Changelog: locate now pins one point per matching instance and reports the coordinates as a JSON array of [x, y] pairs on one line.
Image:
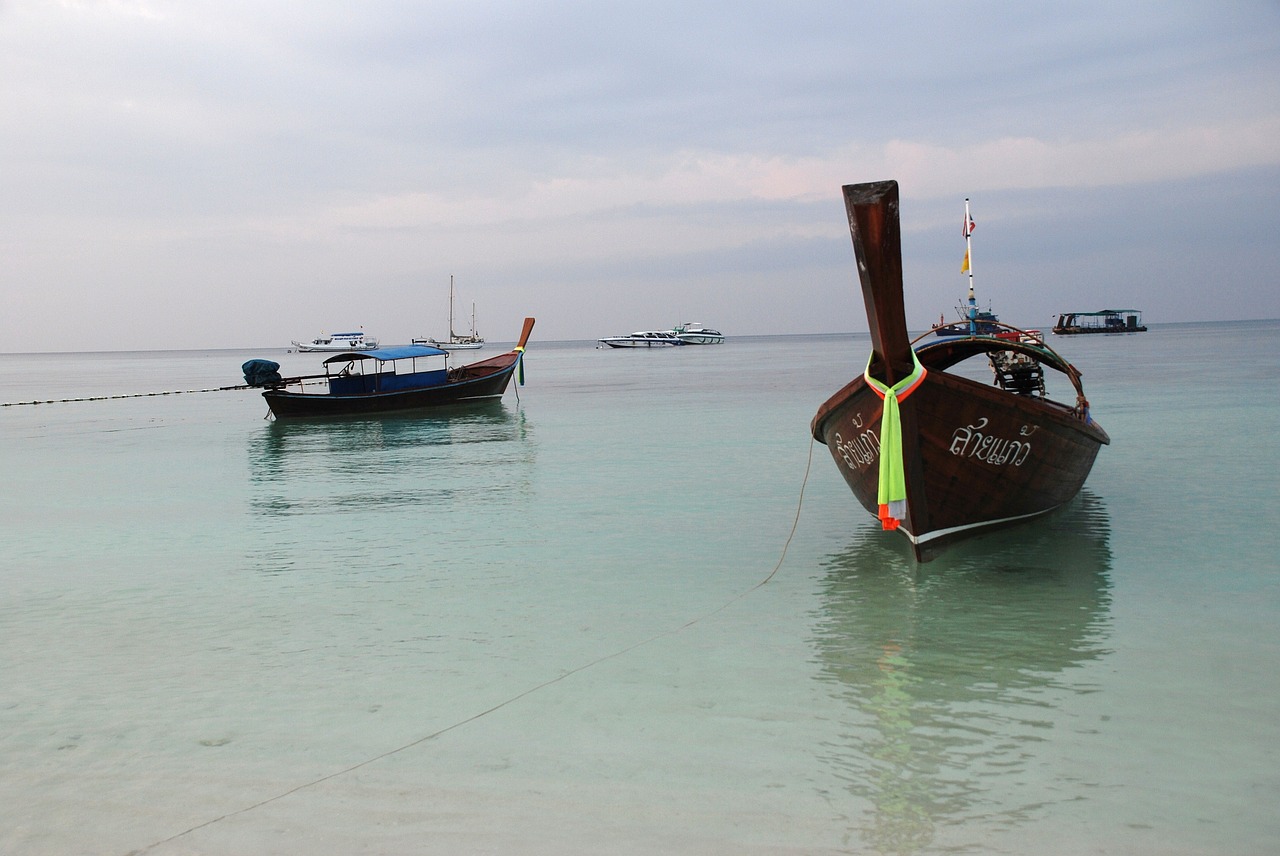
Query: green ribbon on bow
[[891, 493]]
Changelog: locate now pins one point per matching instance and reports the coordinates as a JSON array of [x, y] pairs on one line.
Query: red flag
[[969, 225]]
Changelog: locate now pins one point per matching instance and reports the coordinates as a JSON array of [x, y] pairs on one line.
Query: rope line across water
[[128, 395], [795, 523]]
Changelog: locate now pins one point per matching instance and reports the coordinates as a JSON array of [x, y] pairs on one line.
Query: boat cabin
[[386, 370]]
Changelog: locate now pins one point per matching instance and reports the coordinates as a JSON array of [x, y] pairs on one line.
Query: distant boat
[[984, 322], [1103, 321], [933, 454], [339, 342], [643, 339], [456, 342], [973, 321], [385, 380], [692, 333]]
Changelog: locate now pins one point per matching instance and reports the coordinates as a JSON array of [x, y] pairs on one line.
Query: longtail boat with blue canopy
[[386, 380], [934, 454]]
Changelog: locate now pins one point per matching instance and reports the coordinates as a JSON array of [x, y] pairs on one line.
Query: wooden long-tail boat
[[936, 455], [386, 380]]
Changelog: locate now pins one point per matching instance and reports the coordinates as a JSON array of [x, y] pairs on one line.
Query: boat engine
[[1018, 373]]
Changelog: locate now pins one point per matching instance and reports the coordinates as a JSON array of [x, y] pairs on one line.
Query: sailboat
[[456, 342]]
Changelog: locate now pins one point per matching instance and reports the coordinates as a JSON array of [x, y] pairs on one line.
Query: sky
[[229, 174]]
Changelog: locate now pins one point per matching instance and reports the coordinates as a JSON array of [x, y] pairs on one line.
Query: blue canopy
[[400, 352]]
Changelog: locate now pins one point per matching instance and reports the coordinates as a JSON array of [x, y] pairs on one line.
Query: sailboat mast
[[968, 266], [452, 336]]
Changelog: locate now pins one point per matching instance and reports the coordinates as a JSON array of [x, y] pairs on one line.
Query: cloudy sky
[[240, 173]]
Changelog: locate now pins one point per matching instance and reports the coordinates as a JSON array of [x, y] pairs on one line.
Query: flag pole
[[968, 266]]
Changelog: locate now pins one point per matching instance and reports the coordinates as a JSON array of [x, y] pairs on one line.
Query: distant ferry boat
[[1103, 321], [339, 342]]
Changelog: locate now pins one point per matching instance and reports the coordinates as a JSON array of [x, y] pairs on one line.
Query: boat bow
[[892, 372]]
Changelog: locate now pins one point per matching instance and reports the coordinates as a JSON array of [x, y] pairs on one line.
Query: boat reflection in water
[[959, 671], [313, 478]]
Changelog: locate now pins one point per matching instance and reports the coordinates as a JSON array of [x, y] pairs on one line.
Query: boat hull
[[977, 458], [308, 347], [626, 342], [486, 379]]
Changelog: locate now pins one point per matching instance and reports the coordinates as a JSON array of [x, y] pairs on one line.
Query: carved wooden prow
[[524, 333], [877, 246]]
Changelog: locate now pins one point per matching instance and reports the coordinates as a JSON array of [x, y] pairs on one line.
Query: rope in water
[[135, 395], [795, 523], [128, 395]]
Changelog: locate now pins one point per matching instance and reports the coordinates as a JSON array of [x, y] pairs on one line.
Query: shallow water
[[539, 626]]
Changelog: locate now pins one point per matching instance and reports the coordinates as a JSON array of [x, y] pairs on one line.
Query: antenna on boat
[[968, 268], [451, 333]]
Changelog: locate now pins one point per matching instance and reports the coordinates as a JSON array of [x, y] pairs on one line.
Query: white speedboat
[[339, 342], [643, 339], [692, 333]]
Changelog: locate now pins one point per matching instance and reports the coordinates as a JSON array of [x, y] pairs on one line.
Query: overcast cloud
[[240, 174]]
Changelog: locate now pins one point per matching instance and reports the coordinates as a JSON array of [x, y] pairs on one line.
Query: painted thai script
[[972, 442], [861, 450]]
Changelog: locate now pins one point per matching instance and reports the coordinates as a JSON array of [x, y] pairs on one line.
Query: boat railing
[[1007, 331], [1035, 340]]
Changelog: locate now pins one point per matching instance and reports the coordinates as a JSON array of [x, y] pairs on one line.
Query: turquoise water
[[539, 626]]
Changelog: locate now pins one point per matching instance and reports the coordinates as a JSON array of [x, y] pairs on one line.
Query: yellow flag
[[964, 267]]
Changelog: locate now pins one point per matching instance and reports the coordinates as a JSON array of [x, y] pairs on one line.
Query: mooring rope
[[795, 523], [139, 395], [128, 395]]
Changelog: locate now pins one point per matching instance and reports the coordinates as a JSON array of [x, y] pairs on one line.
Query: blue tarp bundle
[[261, 372]]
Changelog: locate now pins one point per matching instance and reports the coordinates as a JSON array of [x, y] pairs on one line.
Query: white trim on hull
[[954, 530]]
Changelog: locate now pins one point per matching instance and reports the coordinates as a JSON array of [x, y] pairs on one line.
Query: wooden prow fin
[[877, 246], [524, 334]]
